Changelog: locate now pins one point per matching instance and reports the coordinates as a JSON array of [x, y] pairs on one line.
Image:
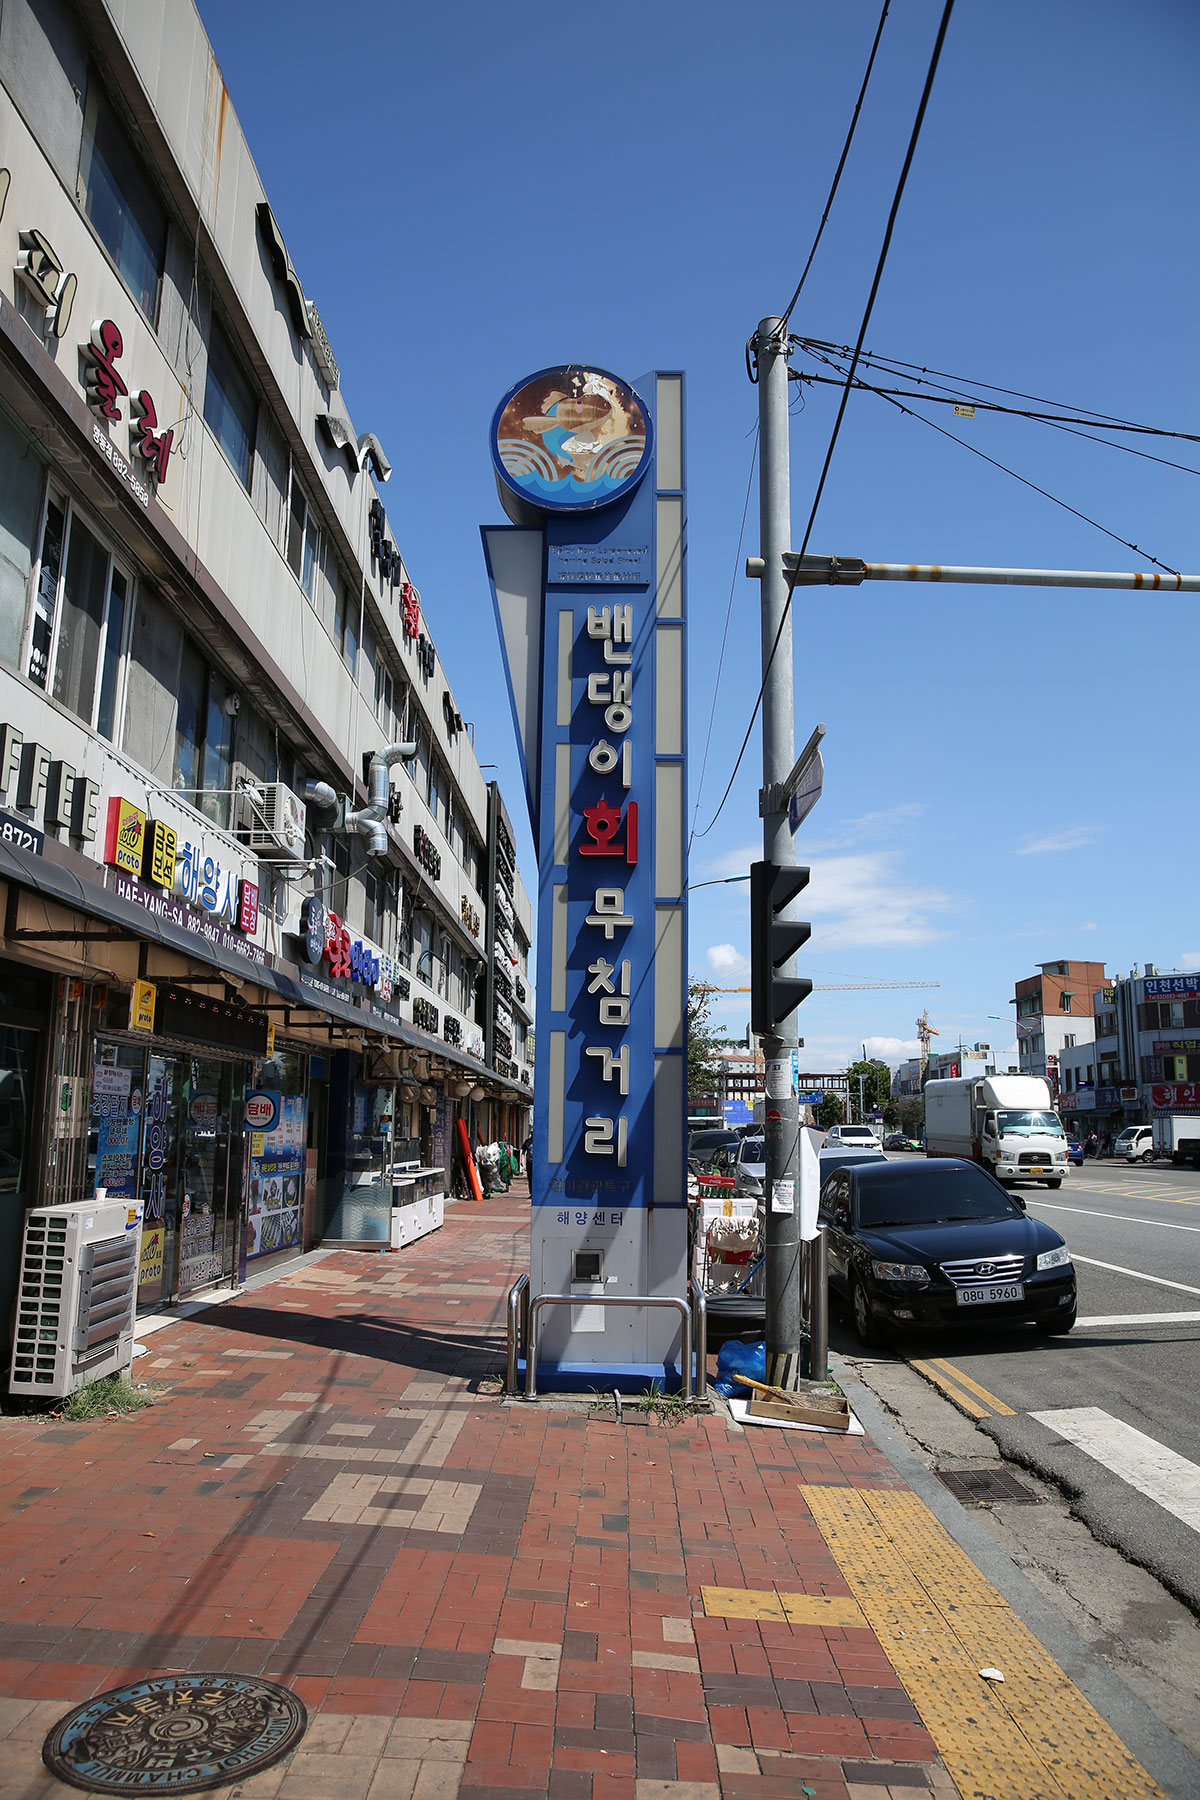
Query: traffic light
[[772, 941]]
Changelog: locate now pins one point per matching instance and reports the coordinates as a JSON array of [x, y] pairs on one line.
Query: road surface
[[1112, 1412]]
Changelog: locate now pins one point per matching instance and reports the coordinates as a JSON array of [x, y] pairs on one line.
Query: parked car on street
[[703, 1145], [915, 1245], [847, 1136], [1135, 1144], [1075, 1151]]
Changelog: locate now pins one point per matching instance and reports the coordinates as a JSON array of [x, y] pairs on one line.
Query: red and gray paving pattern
[[471, 1597]]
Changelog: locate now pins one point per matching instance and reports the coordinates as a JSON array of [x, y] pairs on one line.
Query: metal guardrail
[[518, 1328], [700, 1335], [521, 1321]]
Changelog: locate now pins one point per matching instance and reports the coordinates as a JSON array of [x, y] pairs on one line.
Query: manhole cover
[[175, 1734], [981, 1485]]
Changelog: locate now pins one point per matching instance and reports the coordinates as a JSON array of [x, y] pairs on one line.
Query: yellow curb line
[[1032, 1736], [959, 1387]]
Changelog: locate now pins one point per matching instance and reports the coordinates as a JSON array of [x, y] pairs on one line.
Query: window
[[21, 480], [346, 609], [439, 789], [229, 407], [1069, 1041], [304, 539], [370, 906], [120, 202], [80, 607], [203, 737]]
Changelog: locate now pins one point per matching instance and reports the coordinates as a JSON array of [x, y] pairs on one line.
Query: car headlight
[[886, 1271], [1054, 1259]]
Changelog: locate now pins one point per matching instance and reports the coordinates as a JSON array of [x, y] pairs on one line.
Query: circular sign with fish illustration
[[571, 439]]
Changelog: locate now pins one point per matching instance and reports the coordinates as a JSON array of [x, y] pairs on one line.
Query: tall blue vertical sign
[[589, 584]]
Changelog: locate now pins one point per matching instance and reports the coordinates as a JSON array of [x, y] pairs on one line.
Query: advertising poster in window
[[116, 1118], [276, 1192], [442, 1125]]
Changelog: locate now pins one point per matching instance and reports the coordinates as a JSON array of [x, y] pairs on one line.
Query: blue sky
[[471, 193]]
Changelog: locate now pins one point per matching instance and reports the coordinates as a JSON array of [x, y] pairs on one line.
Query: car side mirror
[[1018, 1200]]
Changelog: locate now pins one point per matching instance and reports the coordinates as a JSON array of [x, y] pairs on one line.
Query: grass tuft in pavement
[[107, 1398]]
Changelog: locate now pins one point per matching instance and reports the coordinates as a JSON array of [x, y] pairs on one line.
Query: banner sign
[[596, 682]]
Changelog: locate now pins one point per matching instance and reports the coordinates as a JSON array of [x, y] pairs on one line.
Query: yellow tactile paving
[[789, 1609], [1031, 1737]]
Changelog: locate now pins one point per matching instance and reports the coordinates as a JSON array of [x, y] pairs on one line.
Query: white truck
[[1177, 1135], [1005, 1122]]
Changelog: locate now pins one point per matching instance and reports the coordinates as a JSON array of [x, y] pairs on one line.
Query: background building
[[245, 969], [1145, 1058], [1054, 1012]]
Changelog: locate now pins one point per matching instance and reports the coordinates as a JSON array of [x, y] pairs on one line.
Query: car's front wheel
[[1055, 1181], [865, 1322], [1147, 1156], [1057, 1324]]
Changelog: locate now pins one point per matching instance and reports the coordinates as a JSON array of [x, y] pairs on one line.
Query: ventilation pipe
[[368, 821]]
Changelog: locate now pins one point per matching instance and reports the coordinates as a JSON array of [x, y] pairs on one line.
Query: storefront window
[[160, 1145], [211, 1175], [276, 1139]]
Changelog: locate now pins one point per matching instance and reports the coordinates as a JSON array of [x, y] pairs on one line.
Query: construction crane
[[925, 1031], [825, 987]]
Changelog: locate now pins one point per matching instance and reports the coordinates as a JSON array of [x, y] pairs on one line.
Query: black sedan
[[914, 1245]]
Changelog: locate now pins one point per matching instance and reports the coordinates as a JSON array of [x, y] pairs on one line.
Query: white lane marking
[[1118, 1218], [1138, 1275], [1168, 1479], [1163, 1318]]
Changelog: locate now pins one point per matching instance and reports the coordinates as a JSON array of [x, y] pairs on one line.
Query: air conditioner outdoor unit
[[381, 1065], [273, 818], [76, 1300]]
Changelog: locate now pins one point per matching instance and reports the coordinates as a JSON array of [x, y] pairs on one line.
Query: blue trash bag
[[735, 1360]]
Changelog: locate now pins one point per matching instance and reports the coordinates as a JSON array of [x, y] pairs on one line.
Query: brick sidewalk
[[469, 1596]]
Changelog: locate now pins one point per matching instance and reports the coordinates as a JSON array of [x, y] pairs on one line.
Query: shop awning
[[57, 882]]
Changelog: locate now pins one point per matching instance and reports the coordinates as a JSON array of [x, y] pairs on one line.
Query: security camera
[[233, 705]]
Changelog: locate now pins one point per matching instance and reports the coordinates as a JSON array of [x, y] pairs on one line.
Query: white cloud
[[1071, 837], [1190, 959], [728, 964], [1088, 925], [735, 861], [892, 1050], [861, 899], [868, 828]]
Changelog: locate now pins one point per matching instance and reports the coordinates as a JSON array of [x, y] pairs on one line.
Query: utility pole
[[781, 1197]]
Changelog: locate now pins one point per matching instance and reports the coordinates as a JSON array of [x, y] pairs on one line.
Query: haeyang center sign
[[589, 584]]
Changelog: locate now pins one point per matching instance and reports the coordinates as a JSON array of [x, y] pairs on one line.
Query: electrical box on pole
[[773, 942]]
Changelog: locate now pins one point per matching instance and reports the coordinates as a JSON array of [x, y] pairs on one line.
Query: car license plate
[[985, 1296], [1038, 1169]]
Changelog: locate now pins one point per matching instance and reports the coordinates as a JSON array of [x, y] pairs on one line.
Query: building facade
[[1054, 1013], [946, 1065], [1145, 1057], [249, 871]]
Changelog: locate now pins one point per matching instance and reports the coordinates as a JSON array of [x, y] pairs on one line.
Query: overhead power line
[[866, 320], [838, 171]]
